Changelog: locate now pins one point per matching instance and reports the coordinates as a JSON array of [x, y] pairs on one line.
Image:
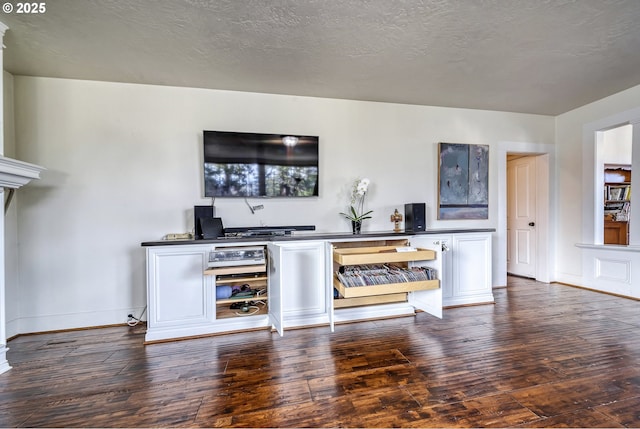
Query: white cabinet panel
[[471, 269], [611, 269], [301, 273], [178, 292]]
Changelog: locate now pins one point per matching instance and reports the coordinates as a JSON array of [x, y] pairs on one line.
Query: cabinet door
[[178, 293], [328, 279], [302, 282], [276, 315], [429, 301], [446, 275], [472, 268]]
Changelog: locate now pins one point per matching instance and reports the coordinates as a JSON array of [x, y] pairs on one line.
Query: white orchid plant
[[356, 209]]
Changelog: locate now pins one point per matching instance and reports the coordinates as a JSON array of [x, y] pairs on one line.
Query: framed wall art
[[463, 188]]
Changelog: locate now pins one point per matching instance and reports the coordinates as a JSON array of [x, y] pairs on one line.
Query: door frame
[[545, 222]]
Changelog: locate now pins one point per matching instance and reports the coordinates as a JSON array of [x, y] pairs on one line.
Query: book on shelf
[[380, 274], [617, 210], [617, 192]]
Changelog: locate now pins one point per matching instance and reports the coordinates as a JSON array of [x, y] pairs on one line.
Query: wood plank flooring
[[542, 356]]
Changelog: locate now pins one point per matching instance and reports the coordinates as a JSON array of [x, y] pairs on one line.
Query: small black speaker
[[415, 218], [211, 227], [200, 212]]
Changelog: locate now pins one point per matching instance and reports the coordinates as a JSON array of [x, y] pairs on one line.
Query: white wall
[[124, 166], [575, 202], [617, 145]]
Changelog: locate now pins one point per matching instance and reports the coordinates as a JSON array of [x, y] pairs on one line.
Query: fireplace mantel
[[14, 173]]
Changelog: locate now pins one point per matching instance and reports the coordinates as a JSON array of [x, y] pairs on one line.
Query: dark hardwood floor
[[542, 356]]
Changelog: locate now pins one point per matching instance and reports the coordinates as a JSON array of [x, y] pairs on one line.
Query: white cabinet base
[[306, 320], [225, 326], [469, 300], [379, 311]]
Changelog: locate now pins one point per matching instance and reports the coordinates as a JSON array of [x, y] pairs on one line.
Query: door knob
[[532, 224]]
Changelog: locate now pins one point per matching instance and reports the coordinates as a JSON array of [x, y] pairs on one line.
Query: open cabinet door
[[276, 316], [329, 281], [429, 301]]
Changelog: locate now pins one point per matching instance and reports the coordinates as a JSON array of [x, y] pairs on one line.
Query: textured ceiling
[[532, 56]]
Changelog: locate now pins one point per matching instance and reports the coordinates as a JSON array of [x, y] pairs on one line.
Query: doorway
[[615, 152], [527, 215]]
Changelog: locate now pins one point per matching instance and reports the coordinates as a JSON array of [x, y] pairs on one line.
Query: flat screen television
[[260, 165]]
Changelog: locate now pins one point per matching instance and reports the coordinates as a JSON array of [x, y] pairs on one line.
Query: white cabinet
[[466, 272], [297, 280]]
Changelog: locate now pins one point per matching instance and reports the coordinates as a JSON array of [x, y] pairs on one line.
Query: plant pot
[[356, 226]]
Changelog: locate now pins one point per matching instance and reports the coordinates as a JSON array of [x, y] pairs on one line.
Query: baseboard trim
[[473, 304], [597, 290], [70, 321], [84, 328]]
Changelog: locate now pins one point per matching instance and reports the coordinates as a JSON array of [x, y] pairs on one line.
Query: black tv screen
[[260, 165]]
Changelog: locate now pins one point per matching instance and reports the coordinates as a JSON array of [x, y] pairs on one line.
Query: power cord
[[253, 306], [133, 321]]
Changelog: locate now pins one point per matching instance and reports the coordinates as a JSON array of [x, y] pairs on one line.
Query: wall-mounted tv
[[260, 165]]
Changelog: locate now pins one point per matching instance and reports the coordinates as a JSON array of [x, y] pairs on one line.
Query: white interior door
[[521, 216]]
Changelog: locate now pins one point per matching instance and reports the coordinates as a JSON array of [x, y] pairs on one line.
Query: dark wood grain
[[542, 356]]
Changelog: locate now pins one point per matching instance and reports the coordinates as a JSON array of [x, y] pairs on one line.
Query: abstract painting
[[463, 191]]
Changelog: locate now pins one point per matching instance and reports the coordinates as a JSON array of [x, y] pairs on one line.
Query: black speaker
[[211, 227], [415, 218], [200, 212]]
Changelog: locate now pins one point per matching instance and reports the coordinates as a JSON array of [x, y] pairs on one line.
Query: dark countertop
[[305, 235]]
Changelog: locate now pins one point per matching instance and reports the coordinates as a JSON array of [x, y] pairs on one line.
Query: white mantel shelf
[[15, 174]]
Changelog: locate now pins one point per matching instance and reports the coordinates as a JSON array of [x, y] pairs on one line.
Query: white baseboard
[[569, 279], [11, 328], [58, 322], [484, 298]]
